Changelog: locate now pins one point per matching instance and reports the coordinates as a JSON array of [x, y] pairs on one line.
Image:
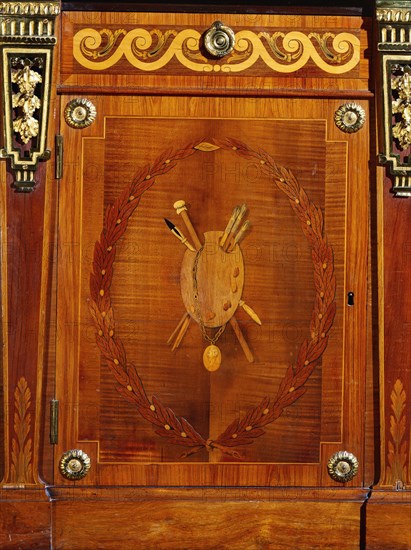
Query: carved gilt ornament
[[394, 46], [401, 105], [26, 46], [26, 125]]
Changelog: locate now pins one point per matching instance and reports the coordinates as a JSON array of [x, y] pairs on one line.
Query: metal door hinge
[[54, 421], [59, 143]]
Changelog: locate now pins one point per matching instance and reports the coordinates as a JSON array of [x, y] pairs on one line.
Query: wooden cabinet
[[295, 268], [209, 395]]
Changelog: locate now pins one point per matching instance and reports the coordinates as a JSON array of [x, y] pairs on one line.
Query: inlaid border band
[[151, 50]]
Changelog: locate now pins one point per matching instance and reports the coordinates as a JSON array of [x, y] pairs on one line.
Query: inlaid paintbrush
[[177, 233]]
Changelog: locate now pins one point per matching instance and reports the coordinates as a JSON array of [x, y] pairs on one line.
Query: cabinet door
[[182, 362]]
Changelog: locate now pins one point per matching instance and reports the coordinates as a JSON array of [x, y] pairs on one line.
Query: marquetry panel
[[161, 51], [120, 297]]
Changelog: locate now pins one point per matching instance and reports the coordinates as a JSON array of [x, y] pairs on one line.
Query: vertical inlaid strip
[[27, 43], [21, 470], [398, 442]]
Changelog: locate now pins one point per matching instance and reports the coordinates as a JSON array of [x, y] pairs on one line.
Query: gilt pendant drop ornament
[[212, 358]]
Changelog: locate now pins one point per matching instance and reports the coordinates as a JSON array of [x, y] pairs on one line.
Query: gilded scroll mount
[[26, 45], [394, 45]]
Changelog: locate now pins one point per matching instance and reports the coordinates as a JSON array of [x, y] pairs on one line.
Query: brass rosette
[[74, 464], [80, 113], [350, 118], [343, 466], [219, 40]]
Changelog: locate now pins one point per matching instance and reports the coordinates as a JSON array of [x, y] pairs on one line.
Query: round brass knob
[[350, 117], [343, 466], [219, 40], [80, 113], [74, 464]]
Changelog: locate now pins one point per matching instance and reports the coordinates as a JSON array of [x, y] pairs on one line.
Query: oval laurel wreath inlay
[[243, 430]]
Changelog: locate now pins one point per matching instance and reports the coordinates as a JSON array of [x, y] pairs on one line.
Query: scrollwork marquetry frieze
[[151, 50], [26, 44], [394, 47]]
